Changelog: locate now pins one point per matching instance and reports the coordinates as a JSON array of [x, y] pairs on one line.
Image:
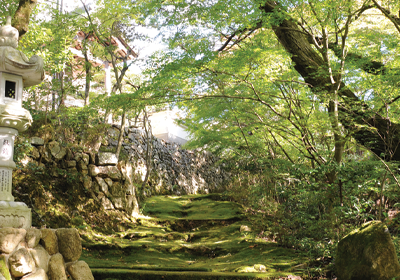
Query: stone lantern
[[16, 72]]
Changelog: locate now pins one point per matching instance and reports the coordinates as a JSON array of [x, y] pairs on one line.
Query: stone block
[[105, 171], [69, 243], [109, 182], [15, 215], [87, 182], [49, 241], [80, 271], [105, 202], [106, 158], [37, 141], [82, 166], [10, 238], [117, 189], [103, 186], [56, 150], [119, 202], [70, 163]]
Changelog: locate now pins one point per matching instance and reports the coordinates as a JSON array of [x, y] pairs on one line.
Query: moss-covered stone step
[[126, 274], [212, 240]]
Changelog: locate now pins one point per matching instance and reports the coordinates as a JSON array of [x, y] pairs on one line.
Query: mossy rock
[[367, 253]]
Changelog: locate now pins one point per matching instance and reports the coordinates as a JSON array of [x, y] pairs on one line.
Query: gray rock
[[367, 253], [33, 236], [102, 185], [21, 263], [80, 271], [37, 141], [109, 182], [57, 268], [70, 163], [56, 150], [82, 166], [45, 155], [10, 238], [87, 182], [49, 241], [106, 158], [105, 171], [119, 202], [105, 202], [41, 257], [118, 189], [69, 243]]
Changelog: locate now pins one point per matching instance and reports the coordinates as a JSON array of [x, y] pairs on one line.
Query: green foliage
[[296, 205], [7, 8]]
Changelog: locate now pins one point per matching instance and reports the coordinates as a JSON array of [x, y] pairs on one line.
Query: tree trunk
[[22, 15], [369, 128], [88, 66]]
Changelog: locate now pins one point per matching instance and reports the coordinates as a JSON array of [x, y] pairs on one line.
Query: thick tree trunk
[[370, 129], [22, 15]]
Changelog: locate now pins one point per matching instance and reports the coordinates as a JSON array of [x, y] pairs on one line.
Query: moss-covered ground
[[201, 235]]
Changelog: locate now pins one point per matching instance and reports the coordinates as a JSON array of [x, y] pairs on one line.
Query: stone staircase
[[189, 237]]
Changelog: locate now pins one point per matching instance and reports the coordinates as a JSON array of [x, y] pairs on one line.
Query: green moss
[[208, 238], [3, 268], [113, 274]]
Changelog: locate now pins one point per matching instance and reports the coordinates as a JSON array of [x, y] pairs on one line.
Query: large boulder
[[367, 253], [57, 268], [69, 243], [80, 271]]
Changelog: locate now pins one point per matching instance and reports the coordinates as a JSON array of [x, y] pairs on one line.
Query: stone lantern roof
[[14, 61]]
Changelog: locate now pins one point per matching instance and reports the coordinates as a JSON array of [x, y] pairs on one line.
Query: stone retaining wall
[[114, 184], [41, 254]]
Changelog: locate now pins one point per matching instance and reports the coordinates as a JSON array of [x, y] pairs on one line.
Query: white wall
[[164, 127]]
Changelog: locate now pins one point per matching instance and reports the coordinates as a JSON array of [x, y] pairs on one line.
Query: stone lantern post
[[16, 72]]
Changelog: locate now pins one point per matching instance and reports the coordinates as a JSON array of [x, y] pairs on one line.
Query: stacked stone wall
[[114, 183]]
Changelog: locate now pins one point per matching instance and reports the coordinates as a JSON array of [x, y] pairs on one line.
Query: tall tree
[[323, 41]]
